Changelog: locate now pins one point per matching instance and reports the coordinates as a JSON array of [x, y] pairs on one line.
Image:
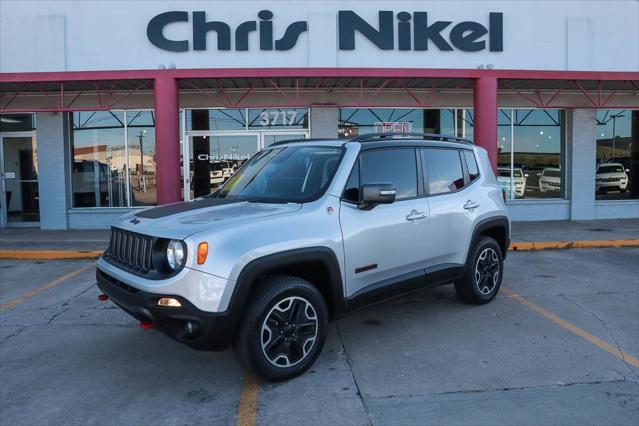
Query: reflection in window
[[99, 160], [443, 170], [216, 119], [530, 145], [617, 173], [17, 122], [448, 121], [214, 159], [278, 118], [142, 170], [360, 121], [396, 166]]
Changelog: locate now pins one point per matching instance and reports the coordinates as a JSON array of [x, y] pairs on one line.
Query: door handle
[[415, 215], [471, 205]]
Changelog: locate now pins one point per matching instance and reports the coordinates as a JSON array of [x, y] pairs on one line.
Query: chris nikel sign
[[467, 36]]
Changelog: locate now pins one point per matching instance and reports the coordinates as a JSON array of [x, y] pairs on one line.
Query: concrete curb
[[565, 245], [49, 254], [515, 246]]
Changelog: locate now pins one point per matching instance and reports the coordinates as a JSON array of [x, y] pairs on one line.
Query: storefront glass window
[[99, 159], [17, 122], [617, 173], [142, 170], [360, 121], [278, 118], [530, 144], [449, 121], [216, 119]]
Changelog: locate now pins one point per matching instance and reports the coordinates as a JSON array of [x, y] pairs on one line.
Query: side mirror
[[377, 193]]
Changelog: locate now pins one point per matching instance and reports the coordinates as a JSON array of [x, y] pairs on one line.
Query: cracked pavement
[[66, 358]]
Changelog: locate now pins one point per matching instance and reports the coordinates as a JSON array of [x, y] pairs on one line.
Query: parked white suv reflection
[[611, 176], [550, 179], [519, 180]]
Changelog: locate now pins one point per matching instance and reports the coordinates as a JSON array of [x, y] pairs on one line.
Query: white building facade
[[108, 106]]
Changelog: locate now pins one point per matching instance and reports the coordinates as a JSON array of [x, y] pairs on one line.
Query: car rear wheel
[[484, 272], [283, 330]]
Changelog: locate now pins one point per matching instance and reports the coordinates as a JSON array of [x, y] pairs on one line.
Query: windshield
[[284, 175], [610, 169], [551, 173]]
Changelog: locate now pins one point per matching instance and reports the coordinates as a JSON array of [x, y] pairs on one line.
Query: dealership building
[[110, 106]]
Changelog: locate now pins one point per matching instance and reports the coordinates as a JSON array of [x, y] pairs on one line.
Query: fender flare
[[491, 222], [249, 274]]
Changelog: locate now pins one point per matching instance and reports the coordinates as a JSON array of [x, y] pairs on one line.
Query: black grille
[[131, 250]]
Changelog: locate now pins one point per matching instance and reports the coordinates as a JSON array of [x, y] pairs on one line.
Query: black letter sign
[[349, 22], [154, 31]]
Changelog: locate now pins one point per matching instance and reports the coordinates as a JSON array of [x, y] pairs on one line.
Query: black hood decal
[[171, 209]]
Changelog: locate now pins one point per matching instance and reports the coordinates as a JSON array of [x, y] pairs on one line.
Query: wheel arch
[[318, 265], [497, 227]]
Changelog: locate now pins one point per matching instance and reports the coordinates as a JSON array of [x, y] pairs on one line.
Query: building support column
[[167, 140], [582, 162], [485, 116], [52, 170], [324, 121]]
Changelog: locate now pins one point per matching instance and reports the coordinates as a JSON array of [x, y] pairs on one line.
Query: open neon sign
[[393, 127]]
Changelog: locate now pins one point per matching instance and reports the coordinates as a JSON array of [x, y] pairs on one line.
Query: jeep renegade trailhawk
[[305, 231]]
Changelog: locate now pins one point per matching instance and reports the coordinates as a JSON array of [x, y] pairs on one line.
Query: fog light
[[170, 302], [191, 328]]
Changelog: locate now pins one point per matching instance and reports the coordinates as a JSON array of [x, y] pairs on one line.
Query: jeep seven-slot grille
[[131, 250]]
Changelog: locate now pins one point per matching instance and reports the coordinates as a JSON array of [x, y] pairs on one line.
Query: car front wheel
[[283, 330], [484, 271]]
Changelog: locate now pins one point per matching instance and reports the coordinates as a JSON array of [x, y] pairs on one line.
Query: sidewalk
[[564, 233]]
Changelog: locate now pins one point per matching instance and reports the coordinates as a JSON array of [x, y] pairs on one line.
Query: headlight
[[175, 254]]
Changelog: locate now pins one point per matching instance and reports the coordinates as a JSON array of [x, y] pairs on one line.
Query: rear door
[[453, 206], [389, 242]]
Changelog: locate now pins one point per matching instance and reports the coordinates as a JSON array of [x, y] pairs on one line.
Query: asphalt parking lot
[[558, 346]]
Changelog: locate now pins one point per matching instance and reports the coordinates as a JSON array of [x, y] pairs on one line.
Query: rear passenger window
[[396, 165], [471, 163], [444, 170]]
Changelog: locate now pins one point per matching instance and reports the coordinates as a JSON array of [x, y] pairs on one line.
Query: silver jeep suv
[[305, 231]]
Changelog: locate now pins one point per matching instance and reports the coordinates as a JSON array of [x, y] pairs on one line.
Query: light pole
[[141, 169], [614, 124]]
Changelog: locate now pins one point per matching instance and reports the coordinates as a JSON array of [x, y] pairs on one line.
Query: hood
[[180, 220]]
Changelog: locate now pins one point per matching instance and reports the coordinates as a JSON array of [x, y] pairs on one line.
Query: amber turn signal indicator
[[202, 252]]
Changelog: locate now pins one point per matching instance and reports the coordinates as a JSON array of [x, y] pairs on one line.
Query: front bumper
[[212, 331], [607, 185]]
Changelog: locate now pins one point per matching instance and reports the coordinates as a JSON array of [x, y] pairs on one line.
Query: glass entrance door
[[215, 156], [269, 138], [19, 181]]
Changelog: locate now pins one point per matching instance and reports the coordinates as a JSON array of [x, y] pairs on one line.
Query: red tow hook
[[146, 325], [103, 297]]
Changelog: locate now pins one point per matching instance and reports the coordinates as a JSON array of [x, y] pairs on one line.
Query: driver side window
[[396, 165]]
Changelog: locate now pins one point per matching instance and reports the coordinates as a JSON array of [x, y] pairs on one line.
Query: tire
[[276, 308], [480, 285]]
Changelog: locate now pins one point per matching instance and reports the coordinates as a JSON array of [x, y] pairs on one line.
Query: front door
[[388, 244], [19, 181]]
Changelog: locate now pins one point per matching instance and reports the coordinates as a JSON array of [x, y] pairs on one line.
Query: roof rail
[[408, 135], [300, 140]]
